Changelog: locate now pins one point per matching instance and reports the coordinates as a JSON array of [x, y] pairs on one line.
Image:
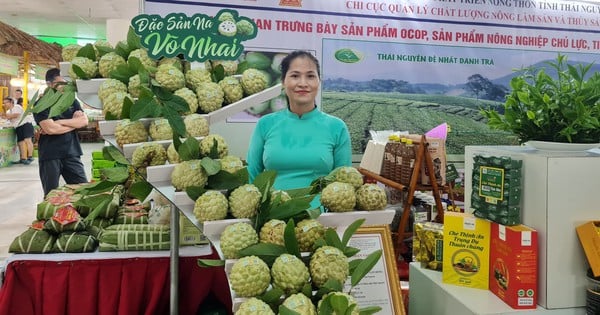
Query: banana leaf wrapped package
[[125, 240], [65, 219], [32, 241], [75, 242]]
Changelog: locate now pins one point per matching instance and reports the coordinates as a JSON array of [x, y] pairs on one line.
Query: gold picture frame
[[384, 276]]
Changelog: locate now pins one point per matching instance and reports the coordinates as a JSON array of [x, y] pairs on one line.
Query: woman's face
[[301, 82]]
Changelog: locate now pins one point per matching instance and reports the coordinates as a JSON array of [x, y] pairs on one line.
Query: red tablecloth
[[125, 286]]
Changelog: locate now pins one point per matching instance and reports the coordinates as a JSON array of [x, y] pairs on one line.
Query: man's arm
[[79, 120], [50, 127]]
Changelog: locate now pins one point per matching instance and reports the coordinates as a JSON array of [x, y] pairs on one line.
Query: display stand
[[422, 159]]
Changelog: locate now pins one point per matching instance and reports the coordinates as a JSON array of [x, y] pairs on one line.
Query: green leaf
[[370, 310], [115, 174], [272, 296], [307, 289], [79, 72], [365, 266], [194, 192], [314, 213], [211, 166], [283, 310], [141, 109], [211, 263], [264, 180], [178, 104], [339, 303], [290, 240], [332, 239], [329, 286], [189, 149], [175, 121], [224, 180], [133, 40], [88, 52], [122, 73], [113, 154], [48, 99], [325, 307], [126, 110], [64, 102], [103, 50], [93, 201], [218, 73], [98, 187], [290, 208], [353, 264], [94, 213], [350, 251], [350, 230], [140, 190], [122, 49], [134, 64], [266, 251]]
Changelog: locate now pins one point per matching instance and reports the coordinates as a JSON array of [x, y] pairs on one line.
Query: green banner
[[491, 182], [9, 65], [198, 37]]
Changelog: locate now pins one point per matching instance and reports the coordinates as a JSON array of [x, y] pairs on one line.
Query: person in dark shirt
[[59, 150]]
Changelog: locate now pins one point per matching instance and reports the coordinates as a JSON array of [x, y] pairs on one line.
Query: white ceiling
[[84, 19]]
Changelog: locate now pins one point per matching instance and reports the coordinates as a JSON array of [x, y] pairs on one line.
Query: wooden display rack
[[422, 159]]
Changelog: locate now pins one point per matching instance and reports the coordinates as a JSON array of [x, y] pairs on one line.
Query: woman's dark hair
[[285, 63]]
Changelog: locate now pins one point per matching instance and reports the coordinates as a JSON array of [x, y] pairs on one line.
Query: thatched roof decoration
[[14, 42]]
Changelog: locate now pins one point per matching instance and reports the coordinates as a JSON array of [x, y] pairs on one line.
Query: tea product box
[[497, 189], [514, 261], [466, 250], [428, 244], [589, 237]]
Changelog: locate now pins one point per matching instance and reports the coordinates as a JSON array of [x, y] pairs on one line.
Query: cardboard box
[[514, 265], [589, 236], [466, 250], [372, 159]]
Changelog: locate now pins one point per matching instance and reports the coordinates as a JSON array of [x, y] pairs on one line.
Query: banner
[[412, 65]]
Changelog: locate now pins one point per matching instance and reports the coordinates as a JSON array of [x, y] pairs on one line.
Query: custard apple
[[102, 43], [130, 132], [236, 237], [196, 125], [227, 28], [253, 81], [232, 89], [172, 154], [69, 52], [245, 28], [289, 273], [308, 231], [160, 129], [338, 197], [348, 174], [148, 154], [244, 201], [249, 276], [134, 86], [89, 67], [210, 96], [300, 304], [173, 61], [226, 16], [272, 232], [279, 196], [187, 174], [370, 197], [207, 143], [231, 163], [113, 103], [210, 206], [254, 306], [327, 263], [229, 66], [350, 300], [108, 63], [110, 86], [276, 64], [170, 77], [190, 98], [194, 77], [142, 55]]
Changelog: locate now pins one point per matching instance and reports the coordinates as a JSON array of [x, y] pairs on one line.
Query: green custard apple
[[350, 175], [300, 304], [170, 77], [142, 55], [160, 129], [128, 131], [173, 61], [89, 67], [113, 103], [110, 86], [371, 197], [254, 306], [172, 154], [245, 28], [232, 89], [236, 237], [244, 201], [272, 232], [226, 16], [308, 231], [187, 174], [196, 125], [279, 196], [249, 277], [134, 85], [69, 52], [253, 81], [326, 263], [338, 197], [289, 273], [207, 143], [210, 206], [229, 66], [190, 98], [148, 154], [210, 96], [231, 163], [194, 77], [108, 63]]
